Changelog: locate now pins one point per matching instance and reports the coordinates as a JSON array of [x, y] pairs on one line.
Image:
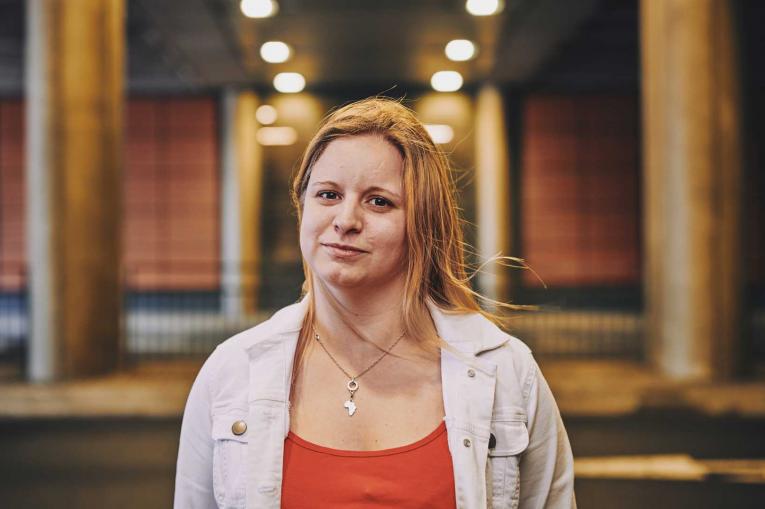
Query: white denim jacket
[[499, 394]]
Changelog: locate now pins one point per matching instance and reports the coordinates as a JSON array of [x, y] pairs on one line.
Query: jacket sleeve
[[547, 465], [194, 469]]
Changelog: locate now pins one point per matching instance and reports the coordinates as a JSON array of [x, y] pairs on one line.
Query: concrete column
[[241, 202], [74, 104], [492, 185], [692, 187]]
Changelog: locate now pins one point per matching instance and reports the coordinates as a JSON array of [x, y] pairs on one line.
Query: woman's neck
[[375, 313]]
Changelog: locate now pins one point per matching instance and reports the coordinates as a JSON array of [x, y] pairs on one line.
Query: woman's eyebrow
[[378, 188], [368, 190], [324, 183]]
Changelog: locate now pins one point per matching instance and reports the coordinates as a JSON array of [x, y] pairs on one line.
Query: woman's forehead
[[356, 158]]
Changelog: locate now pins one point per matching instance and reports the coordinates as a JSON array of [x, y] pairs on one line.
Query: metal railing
[[581, 333], [182, 323], [191, 323], [14, 320]]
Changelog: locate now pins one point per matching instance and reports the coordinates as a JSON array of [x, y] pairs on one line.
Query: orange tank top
[[412, 476]]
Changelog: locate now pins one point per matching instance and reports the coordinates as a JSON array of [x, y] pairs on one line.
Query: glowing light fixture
[[441, 133], [446, 81], [276, 136], [275, 52], [460, 50], [289, 82], [258, 8], [483, 7], [265, 114]]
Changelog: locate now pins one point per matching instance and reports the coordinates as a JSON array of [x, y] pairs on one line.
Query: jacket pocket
[[511, 439], [229, 459]]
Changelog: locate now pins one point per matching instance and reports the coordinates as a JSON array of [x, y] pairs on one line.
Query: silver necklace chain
[[385, 352], [353, 384]]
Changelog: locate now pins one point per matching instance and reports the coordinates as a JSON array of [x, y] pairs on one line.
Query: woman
[[386, 385]]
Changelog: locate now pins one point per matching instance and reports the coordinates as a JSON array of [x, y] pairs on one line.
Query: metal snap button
[[239, 427], [471, 373], [466, 442]]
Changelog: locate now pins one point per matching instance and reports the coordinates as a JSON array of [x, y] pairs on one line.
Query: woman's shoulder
[[228, 366], [474, 333], [478, 333], [517, 371]]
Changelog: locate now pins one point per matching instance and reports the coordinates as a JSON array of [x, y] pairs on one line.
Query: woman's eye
[[329, 195], [378, 201]]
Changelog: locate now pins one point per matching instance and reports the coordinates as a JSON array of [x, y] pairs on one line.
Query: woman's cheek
[[307, 238]]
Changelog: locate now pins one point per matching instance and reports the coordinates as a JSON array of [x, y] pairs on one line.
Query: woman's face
[[352, 232]]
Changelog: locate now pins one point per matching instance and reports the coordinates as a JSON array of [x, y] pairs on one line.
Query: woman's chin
[[346, 281], [343, 278]]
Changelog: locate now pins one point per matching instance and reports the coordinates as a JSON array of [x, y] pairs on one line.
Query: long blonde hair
[[435, 266]]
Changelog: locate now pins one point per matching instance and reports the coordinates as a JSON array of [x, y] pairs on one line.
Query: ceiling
[[178, 46]]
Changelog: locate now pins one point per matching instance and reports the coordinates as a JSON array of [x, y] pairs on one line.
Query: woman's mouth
[[343, 251]]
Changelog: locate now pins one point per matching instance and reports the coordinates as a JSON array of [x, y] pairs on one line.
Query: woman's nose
[[348, 218]]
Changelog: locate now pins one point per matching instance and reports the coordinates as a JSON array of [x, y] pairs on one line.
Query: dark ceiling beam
[[534, 32], [195, 40], [11, 47]]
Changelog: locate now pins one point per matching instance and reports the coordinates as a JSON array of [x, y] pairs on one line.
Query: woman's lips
[[340, 251]]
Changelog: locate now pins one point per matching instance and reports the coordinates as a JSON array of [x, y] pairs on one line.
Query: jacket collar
[[471, 334]]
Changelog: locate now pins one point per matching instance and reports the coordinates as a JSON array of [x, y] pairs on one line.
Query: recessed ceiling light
[[441, 133], [266, 114], [460, 50], [483, 7], [275, 52], [289, 82], [446, 81], [275, 136], [258, 8]]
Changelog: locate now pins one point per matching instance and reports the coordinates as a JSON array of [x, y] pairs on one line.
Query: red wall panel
[[171, 195], [579, 190], [12, 196]]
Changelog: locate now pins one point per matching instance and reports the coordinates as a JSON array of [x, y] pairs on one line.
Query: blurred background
[[146, 150]]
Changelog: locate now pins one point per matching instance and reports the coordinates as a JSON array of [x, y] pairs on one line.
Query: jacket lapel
[[468, 383]]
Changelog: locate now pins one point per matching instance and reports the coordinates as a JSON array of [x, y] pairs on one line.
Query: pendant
[[352, 387]]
